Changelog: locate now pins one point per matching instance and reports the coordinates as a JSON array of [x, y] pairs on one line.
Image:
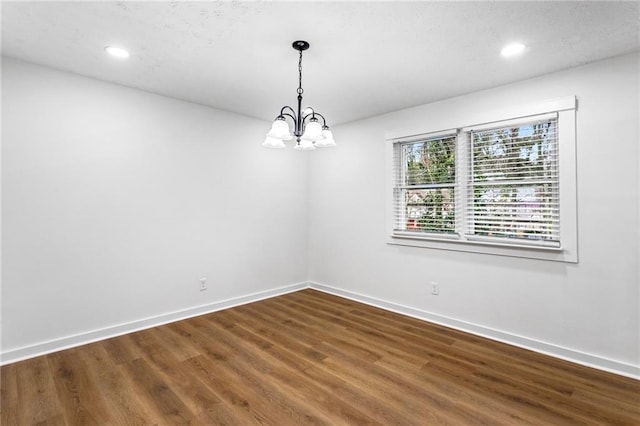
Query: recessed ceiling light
[[512, 49], [118, 52]]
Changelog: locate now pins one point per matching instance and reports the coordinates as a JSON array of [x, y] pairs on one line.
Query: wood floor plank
[[237, 378], [76, 393], [508, 416], [382, 336], [294, 332], [351, 336], [9, 394], [252, 368], [122, 349], [292, 373], [309, 358], [111, 381], [34, 385], [187, 386], [311, 394], [180, 348], [158, 394], [245, 402]]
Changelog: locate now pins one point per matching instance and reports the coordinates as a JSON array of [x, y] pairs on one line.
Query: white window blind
[[425, 186], [513, 183]]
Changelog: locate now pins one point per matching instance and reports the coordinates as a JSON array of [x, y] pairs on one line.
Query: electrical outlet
[[435, 288], [203, 283]]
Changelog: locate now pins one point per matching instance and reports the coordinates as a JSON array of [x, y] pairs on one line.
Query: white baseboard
[[594, 361], [43, 348], [54, 345]]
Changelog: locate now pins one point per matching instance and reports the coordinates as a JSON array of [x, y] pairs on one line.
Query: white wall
[[587, 311], [116, 201]]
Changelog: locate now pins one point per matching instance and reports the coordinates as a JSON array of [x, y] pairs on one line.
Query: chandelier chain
[[300, 90]]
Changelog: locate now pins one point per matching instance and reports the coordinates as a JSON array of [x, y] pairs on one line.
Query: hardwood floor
[[309, 358]]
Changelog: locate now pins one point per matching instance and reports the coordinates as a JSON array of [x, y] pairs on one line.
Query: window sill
[[557, 254]]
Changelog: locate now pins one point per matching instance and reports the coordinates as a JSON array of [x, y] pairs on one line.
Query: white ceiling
[[366, 58]]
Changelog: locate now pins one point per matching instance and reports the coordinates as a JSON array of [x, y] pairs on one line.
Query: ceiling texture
[[366, 58]]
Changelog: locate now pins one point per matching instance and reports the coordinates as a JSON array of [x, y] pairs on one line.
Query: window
[[492, 188], [513, 184], [425, 186]]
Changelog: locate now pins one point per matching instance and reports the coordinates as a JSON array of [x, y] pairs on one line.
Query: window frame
[[565, 108]]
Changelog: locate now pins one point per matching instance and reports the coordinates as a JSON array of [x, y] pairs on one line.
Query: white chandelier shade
[[307, 130], [313, 131], [270, 142], [327, 141], [280, 130]]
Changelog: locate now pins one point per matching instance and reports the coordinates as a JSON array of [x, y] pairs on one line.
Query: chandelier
[[307, 130]]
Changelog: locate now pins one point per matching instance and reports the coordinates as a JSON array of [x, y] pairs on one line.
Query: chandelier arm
[[289, 115], [324, 121], [284, 108], [312, 113]]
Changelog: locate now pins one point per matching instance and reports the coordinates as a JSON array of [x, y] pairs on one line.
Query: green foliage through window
[[430, 162], [428, 192]]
